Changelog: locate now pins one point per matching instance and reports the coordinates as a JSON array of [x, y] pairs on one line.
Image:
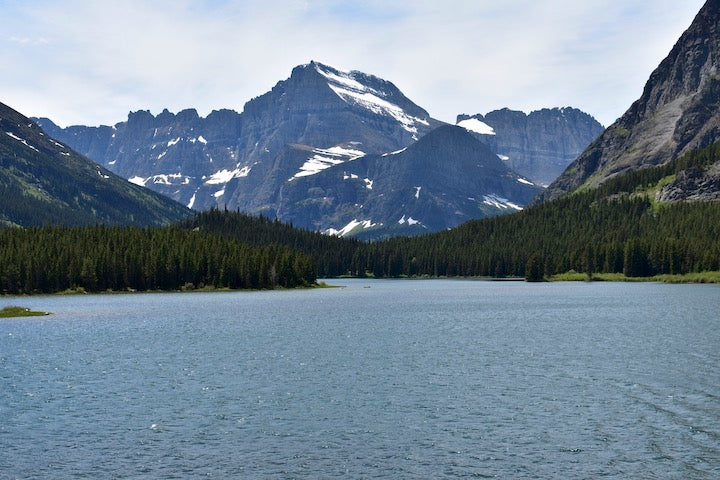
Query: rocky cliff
[[678, 111], [539, 145]]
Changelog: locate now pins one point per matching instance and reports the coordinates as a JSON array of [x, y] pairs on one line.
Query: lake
[[380, 379]]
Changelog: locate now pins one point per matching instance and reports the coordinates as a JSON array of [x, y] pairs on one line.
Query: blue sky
[[81, 62]]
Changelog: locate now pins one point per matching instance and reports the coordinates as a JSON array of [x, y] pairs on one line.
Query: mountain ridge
[[678, 112], [539, 144], [318, 119], [45, 182]]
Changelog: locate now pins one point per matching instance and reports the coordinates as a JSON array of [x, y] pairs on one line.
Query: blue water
[[381, 379]]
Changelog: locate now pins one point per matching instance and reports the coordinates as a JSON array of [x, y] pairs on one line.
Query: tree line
[[616, 228], [100, 258]]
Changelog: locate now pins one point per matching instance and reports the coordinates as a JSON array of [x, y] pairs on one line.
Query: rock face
[[442, 180], [324, 149], [539, 145], [233, 159], [679, 111], [45, 182], [692, 184]]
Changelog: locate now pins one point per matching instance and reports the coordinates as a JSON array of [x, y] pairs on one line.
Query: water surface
[[381, 379]]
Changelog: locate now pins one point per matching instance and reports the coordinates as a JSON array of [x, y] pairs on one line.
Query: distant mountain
[[539, 145], [304, 137], [45, 182], [678, 112], [232, 159], [444, 179]]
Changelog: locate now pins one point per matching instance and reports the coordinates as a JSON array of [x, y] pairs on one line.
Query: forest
[[101, 258], [616, 228]]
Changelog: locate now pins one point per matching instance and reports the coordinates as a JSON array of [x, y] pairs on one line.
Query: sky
[[91, 62]]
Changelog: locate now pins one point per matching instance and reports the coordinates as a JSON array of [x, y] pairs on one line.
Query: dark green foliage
[[53, 259], [534, 269], [332, 256], [607, 230]]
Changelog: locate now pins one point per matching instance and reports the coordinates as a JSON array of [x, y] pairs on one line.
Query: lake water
[[381, 379]]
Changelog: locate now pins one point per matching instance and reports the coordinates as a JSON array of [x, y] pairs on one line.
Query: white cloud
[[106, 58]]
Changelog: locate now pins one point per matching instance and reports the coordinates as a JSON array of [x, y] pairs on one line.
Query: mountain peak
[[676, 113]]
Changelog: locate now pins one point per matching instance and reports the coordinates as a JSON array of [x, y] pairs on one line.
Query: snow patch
[[500, 202], [167, 179], [138, 181], [417, 192], [323, 158], [355, 223], [162, 155], [368, 183], [526, 182], [352, 176], [219, 193], [199, 139], [173, 142], [112, 163], [161, 179], [192, 201], [224, 175], [395, 152], [102, 174], [11, 135], [504, 158], [65, 154], [475, 125], [410, 221], [351, 91]]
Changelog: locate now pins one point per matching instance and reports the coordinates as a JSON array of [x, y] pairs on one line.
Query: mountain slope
[[678, 112], [539, 145], [233, 159], [444, 179], [45, 182]]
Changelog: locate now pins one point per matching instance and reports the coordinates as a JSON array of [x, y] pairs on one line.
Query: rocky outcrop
[[692, 184]]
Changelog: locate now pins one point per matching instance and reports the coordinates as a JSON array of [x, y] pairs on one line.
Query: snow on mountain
[[224, 175], [323, 158], [499, 202], [475, 125], [351, 227], [350, 90]]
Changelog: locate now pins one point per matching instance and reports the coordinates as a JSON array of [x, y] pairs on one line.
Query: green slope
[[44, 182]]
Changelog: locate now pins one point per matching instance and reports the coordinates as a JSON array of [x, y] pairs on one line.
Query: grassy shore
[[700, 277], [8, 312]]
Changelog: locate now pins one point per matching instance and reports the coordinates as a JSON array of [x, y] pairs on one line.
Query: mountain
[[233, 159], [45, 182], [539, 145], [677, 113], [324, 149], [446, 178]]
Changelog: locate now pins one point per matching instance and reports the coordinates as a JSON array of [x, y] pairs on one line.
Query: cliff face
[[679, 111], [238, 160], [539, 145]]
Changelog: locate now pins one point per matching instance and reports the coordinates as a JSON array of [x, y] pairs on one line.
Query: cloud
[[107, 58]]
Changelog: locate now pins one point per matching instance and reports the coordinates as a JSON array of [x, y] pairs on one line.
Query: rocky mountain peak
[[678, 111]]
